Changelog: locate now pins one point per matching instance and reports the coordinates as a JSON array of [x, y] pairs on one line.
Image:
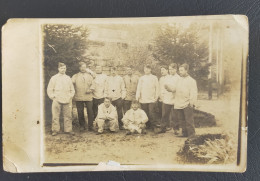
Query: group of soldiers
[[114, 102]]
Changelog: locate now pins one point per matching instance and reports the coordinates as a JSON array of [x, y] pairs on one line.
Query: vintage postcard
[[162, 93]]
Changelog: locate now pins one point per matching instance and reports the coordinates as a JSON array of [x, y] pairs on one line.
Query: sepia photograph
[[163, 92]]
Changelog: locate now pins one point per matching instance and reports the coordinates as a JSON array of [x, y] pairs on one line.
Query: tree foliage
[[182, 45], [64, 43]]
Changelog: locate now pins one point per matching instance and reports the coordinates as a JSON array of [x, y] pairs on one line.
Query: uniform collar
[[166, 75], [148, 74], [59, 74], [185, 76]]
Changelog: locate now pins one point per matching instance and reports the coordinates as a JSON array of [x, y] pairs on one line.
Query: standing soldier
[[61, 91], [115, 89], [186, 97], [98, 93], [83, 83], [131, 82], [147, 94], [168, 96]]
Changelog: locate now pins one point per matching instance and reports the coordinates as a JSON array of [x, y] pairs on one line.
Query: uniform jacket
[[104, 113], [135, 117], [165, 96], [131, 86], [186, 92], [83, 82], [147, 89], [60, 88], [100, 82], [115, 87]]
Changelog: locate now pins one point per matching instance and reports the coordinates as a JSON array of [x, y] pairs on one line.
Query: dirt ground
[[87, 147]]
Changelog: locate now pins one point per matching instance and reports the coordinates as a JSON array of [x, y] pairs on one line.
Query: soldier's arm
[[138, 90], [72, 90], [50, 88], [157, 88]]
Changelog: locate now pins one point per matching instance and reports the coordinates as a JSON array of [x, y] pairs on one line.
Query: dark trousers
[[119, 108], [80, 109], [127, 105], [166, 111], [175, 120], [160, 108], [149, 109], [187, 121], [96, 103]]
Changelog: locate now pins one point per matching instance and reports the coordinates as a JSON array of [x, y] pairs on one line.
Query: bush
[[203, 119], [209, 149]]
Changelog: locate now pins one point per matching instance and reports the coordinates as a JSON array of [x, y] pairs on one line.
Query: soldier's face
[[182, 71], [129, 71], [147, 70], [98, 69], [172, 71], [135, 107], [113, 72], [107, 102], [83, 68], [62, 70], [164, 71]]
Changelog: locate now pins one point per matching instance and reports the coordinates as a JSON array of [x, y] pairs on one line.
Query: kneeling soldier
[[134, 120], [107, 116]]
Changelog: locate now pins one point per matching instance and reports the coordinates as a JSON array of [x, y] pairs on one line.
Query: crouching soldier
[[60, 90], [107, 116], [135, 119]]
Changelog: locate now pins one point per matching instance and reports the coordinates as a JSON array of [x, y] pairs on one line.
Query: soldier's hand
[[167, 87], [89, 91], [110, 118]]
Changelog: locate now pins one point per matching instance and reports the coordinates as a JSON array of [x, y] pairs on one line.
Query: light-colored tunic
[[100, 82], [83, 83], [60, 88], [165, 96], [103, 116], [186, 92], [131, 86], [135, 120], [115, 87], [147, 89]]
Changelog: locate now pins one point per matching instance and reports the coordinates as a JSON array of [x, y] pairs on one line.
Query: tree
[[175, 44], [64, 43]]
